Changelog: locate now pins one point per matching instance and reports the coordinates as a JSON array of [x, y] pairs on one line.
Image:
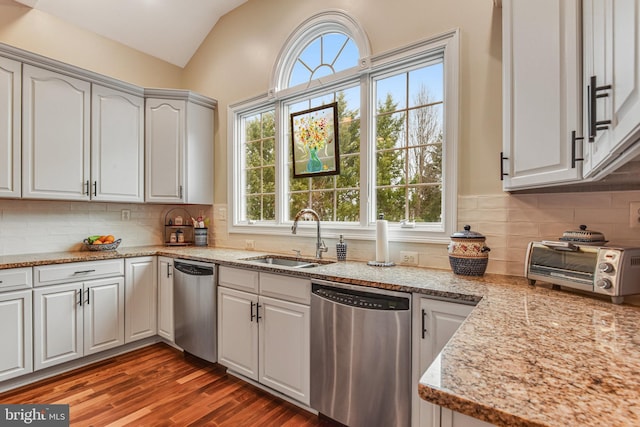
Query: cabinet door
[[10, 132], [16, 334], [165, 139], [117, 146], [434, 323], [103, 314], [541, 91], [58, 329], [141, 296], [611, 53], [165, 298], [456, 419], [284, 331], [238, 331], [55, 135]]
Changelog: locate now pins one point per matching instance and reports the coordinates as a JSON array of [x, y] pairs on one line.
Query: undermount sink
[[286, 261]]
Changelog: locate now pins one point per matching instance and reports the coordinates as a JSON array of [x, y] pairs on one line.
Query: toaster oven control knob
[[605, 267], [604, 284]]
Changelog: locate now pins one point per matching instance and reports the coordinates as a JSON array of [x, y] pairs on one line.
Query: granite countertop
[[525, 356]]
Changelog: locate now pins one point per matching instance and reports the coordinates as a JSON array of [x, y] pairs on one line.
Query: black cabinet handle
[[84, 271], [258, 317], [80, 297], [168, 269], [95, 188], [594, 124], [253, 316], [574, 159], [424, 329], [88, 296], [180, 193], [86, 184], [502, 172]]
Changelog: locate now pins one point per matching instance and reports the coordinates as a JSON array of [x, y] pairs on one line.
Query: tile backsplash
[[509, 222], [50, 226]]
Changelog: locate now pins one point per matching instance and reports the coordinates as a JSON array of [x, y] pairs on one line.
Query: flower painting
[[314, 136]]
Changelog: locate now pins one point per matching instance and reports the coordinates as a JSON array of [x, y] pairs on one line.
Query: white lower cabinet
[[238, 331], [165, 298], [76, 319], [16, 334], [141, 298], [434, 323], [284, 347], [264, 338]]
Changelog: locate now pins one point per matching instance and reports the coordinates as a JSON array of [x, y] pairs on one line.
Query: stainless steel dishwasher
[[194, 308], [361, 354]]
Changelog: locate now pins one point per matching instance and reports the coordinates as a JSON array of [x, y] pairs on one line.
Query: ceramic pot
[[468, 254], [584, 237]]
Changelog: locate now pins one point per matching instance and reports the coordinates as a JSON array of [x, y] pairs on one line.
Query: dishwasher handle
[[192, 269]]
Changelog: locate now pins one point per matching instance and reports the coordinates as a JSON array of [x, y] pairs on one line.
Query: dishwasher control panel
[[355, 298]]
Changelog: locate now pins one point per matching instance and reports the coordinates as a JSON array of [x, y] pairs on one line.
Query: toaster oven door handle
[[561, 246]]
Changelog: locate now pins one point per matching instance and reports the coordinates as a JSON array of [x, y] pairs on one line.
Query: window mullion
[[282, 170]]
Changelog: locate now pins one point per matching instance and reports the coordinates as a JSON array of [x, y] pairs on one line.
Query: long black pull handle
[[88, 296], [594, 124], [574, 159], [253, 316], [86, 184], [502, 172], [258, 317], [80, 297], [424, 328], [95, 188]]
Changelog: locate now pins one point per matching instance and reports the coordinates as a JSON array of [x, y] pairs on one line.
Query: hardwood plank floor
[[157, 386]]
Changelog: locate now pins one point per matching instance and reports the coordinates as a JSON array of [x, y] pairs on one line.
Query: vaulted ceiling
[[171, 30]]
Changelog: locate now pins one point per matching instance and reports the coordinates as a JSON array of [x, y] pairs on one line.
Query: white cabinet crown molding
[[67, 69]]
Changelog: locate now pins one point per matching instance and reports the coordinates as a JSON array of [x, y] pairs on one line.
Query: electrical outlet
[[222, 214], [125, 214], [634, 214], [249, 244], [409, 258]]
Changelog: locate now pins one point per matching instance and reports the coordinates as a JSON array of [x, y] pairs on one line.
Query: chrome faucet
[[320, 246]]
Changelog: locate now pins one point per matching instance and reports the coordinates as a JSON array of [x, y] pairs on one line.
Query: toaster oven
[[612, 271]]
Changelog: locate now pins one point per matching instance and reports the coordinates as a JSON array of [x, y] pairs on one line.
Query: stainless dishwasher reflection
[[361, 354], [194, 308]]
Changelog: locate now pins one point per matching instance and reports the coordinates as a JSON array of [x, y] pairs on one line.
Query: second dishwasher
[[194, 299], [361, 354]]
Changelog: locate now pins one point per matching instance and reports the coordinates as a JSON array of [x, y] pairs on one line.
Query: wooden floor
[[157, 386]]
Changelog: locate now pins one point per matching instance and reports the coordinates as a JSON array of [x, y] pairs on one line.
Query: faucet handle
[[297, 251], [323, 247]]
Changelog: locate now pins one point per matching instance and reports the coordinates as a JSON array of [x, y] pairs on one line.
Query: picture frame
[[314, 141]]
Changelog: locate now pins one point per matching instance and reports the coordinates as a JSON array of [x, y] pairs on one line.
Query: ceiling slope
[[171, 30]]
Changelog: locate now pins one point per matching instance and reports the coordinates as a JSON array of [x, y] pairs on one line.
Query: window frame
[[445, 45]]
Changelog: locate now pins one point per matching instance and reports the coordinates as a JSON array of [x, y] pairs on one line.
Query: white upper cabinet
[[55, 135], [10, 132], [611, 46], [541, 93], [117, 146], [179, 148]]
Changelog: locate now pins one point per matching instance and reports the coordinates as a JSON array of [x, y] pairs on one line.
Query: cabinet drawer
[[15, 278], [77, 271], [238, 278], [287, 288]]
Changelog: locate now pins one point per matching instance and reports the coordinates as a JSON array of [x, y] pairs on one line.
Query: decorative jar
[[468, 253]]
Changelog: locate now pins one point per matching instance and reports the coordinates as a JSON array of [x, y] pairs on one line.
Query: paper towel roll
[[382, 242]]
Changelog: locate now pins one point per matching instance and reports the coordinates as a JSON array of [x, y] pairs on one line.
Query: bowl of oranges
[[101, 243]]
